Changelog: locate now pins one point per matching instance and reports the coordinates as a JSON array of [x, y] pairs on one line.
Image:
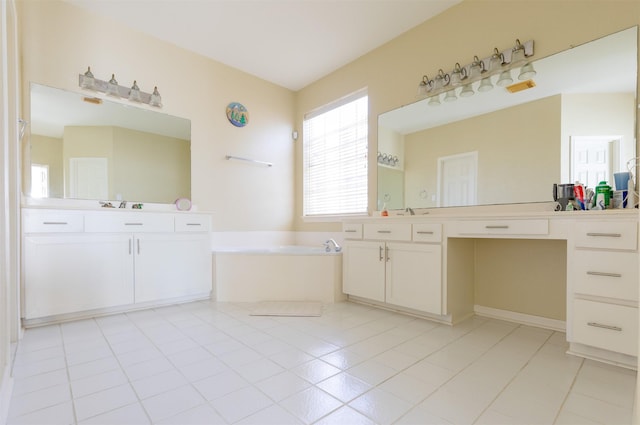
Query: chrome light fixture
[[499, 64], [134, 93], [111, 87]]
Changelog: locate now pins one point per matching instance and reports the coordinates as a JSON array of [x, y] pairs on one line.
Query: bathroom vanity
[[427, 265], [82, 262]]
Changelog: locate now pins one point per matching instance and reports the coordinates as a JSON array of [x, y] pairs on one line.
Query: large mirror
[[83, 147], [497, 147]]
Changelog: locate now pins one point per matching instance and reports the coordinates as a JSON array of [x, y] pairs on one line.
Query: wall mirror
[[496, 147], [83, 147]]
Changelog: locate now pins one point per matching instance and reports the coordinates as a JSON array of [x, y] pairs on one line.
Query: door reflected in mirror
[[580, 112], [83, 147]]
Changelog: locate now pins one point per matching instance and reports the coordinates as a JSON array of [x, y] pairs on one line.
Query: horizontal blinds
[[335, 159]]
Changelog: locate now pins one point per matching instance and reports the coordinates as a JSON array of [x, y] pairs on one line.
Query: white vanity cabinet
[[81, 261], [388, 267], [603, 290]]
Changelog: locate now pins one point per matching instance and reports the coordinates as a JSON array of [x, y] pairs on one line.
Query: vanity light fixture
[[111, 87], [499, 64], [134, 93]]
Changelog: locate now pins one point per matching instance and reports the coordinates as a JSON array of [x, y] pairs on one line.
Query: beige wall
[[393, 71], [59, 41], [514, 145], [598, 115], [48, 151]]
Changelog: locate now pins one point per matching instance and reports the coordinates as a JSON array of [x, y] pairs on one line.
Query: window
[[335, 158], [39, 181]]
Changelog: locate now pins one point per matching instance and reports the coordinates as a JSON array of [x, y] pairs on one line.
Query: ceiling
[[291, 43]]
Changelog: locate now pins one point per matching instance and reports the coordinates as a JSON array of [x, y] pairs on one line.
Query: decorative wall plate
[[183, 204], [237, 114]]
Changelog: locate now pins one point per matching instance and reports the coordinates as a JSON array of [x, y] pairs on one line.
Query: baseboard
[[6, 389], [524, 319]]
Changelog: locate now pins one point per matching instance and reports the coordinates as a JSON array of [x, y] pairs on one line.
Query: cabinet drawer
[[127, 222], [352, 230], [608, 326], [503, 227], [52, 222], [427, 232], [193, 223], [388, 231], [607, 235], [606, 274]]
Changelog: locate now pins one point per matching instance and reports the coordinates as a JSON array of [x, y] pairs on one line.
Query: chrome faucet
[[336, 247], [410, 211]]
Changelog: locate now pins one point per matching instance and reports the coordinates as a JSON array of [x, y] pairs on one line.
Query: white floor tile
[[132, 414], [172, 402], [104, 401], [345, 415], [213, 363], [240, 404], [315, 371], [220, 385], [36, 400], [157, 384], [204, 414], [381, 406], [282, 385], [39, 382], [344, 387], [310, 404], [97, 383], [60, 414], [272, 415]]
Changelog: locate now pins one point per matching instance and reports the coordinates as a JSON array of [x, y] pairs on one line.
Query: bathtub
[[284, 273]]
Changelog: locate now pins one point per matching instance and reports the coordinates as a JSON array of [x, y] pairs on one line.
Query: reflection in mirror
[[497, 147], [83, 147]]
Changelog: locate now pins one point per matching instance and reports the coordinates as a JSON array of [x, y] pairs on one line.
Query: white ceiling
[[291, 43]]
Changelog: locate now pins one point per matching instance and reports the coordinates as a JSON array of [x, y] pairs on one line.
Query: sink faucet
[[336, 247], [410, 211]]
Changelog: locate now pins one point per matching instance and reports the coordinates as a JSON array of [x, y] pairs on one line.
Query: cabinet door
[[414, 276], [172, 265], [71, 273], [364, 269]]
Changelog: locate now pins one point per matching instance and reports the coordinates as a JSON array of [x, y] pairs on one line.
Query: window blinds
[[335, 158]]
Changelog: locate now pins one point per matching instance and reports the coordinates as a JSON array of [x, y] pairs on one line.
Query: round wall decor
[[237, 114]]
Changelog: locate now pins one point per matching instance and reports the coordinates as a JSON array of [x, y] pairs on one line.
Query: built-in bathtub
[[284, 273]]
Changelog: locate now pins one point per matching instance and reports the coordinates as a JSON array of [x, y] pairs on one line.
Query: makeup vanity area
[[427, 265], [499, 248]]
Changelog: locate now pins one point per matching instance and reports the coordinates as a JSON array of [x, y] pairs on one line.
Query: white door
[[71, 273], [593, 159], [457, 180], [170, 265], [89, 178], [414, 276], [364, 265]]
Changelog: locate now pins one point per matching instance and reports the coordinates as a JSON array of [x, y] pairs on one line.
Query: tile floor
[[213, 363]]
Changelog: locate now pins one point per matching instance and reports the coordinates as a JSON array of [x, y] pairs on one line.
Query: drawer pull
[[501, 226], [384, 231], [62, 223], [422, 232], [608, 327], [604, 274], [133, 224], [350, 231], [606, 235], [194, 224]]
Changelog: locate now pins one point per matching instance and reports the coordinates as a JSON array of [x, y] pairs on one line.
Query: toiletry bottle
[[384, 212]]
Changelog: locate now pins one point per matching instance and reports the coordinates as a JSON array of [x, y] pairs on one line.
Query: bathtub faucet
[[336, 247]]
